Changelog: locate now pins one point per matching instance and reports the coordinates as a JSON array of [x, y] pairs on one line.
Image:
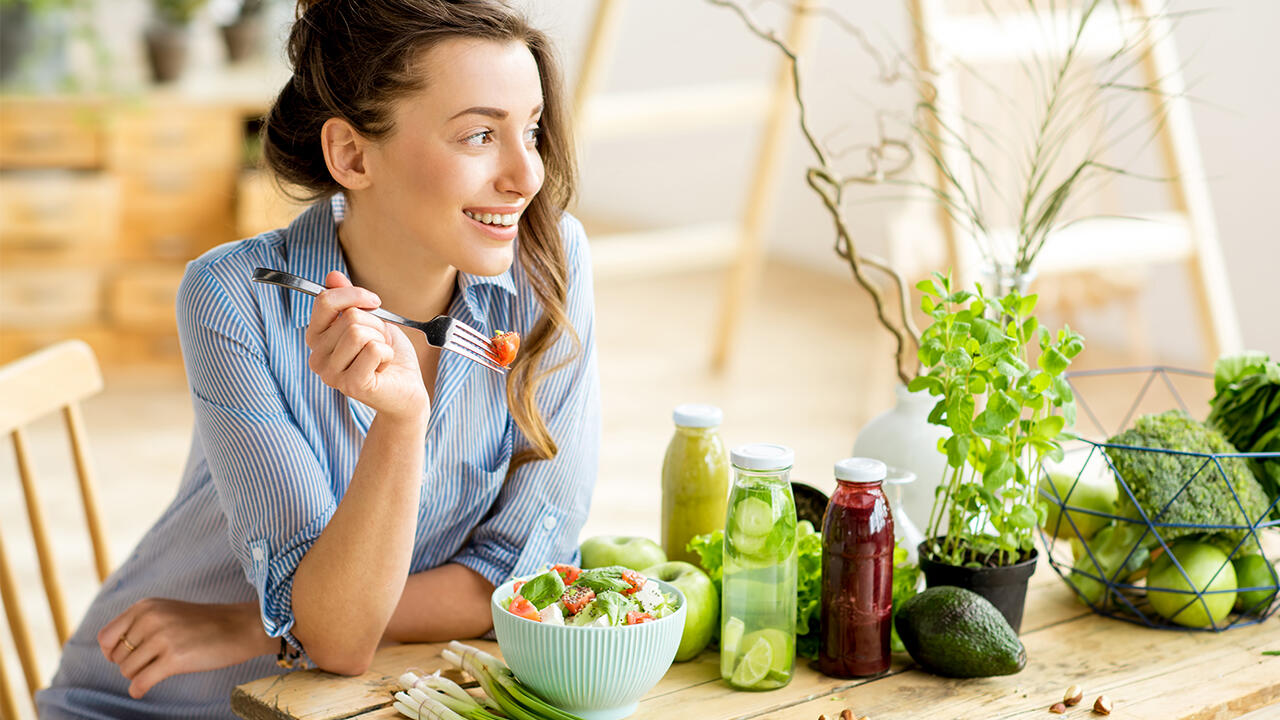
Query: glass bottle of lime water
[[758, 602]]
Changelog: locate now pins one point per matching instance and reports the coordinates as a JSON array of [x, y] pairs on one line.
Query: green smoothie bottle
[[695, 479], [758, 602]]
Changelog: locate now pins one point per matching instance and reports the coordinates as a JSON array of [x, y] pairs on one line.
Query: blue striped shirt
[[274, 449]]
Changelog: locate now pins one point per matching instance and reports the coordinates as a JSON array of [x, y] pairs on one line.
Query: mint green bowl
[[598, 673]]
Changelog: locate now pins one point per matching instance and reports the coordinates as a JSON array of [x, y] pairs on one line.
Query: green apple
[[1091, 492], [636, 553], [702, 604], [1208, 570], [1255, 571]]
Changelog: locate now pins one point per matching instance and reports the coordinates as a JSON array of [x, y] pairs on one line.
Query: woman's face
[[461, 163]]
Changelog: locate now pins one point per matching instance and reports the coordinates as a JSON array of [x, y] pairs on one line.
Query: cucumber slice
[[745, 544], [753, 516]]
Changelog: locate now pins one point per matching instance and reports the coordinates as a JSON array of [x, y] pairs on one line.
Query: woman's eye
[[479, 138], [532, 134]]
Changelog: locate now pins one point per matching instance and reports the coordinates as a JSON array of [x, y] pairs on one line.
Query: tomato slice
[[516, 587], [568, 573], [634, 579], [576, 598], [505, 347], [525, 609], [635, 618]]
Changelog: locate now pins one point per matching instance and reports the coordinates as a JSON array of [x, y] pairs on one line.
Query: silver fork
[[442, 331]]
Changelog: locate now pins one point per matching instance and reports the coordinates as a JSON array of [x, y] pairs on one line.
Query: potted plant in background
[[33, 41], [169, 36], [243, 35], [1005, 413]]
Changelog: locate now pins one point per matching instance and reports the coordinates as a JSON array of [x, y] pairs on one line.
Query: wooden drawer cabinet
[[102, 204], [166, 133], [62, 218], [38, 133], [144, 298], [31, 298], [261, 206]]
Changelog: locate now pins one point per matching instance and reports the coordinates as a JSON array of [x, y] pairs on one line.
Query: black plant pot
[[1005, 586], [15, 37], [167, 51], [243, 38]]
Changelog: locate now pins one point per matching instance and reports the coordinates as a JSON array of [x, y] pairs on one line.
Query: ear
[[344, 153]]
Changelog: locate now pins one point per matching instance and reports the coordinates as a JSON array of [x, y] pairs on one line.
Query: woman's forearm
[[349, 583], [448, 602]]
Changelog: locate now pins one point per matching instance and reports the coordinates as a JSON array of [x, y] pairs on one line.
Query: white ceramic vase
[[902, 437]]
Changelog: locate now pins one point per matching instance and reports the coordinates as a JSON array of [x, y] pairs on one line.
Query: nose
[[521, 171]]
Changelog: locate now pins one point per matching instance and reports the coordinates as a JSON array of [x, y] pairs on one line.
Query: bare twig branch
[[886, 157]]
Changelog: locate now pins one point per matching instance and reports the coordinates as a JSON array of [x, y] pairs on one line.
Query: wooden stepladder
[[1185, 235], [734, 243]]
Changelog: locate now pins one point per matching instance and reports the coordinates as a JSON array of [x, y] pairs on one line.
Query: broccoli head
[[1158, 478]]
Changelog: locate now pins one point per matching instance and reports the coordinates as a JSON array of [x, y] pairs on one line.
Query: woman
[[348, 483]]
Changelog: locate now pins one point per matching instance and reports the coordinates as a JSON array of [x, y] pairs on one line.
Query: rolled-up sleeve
[[270, 483], [543, 504]]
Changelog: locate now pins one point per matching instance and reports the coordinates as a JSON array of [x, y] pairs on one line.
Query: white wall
[[1230, 64], [1229, 55]]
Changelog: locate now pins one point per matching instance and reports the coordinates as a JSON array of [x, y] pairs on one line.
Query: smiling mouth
[[495, 219]]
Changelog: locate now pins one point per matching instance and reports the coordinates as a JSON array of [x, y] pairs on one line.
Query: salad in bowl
[[601, 597], [590, 642]]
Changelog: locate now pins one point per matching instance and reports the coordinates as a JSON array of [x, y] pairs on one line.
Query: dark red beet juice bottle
[[857, 573]]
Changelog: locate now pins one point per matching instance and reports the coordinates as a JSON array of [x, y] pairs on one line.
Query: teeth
[[492, 219]]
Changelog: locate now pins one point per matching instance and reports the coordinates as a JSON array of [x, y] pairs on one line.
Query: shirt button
[[257, 554], [549, 522]]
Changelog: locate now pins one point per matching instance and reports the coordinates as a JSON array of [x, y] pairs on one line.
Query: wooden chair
[[50, 380]]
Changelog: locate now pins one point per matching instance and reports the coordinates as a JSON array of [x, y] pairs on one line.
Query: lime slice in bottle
[[753, 666], [731, 636], [780, 646], [753, 516]]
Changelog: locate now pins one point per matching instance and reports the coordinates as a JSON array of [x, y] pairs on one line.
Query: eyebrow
[[495, 113]]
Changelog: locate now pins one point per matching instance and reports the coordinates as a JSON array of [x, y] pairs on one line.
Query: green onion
[[501, 685], [446, 693], [423, 708]]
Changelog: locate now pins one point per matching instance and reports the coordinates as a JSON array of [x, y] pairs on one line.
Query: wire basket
[[1108, 570]]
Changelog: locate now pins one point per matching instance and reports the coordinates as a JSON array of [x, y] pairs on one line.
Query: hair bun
[[305, 5]]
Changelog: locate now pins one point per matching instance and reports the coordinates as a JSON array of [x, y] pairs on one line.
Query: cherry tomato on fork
[[505, 346]]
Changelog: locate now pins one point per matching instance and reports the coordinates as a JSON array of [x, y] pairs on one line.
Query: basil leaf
[[603, 580], [544, 589]]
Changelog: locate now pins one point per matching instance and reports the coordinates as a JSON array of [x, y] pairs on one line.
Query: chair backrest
[[52, 380]]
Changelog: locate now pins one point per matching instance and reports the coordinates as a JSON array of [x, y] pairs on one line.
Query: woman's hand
[[157, 638], [361, 356]]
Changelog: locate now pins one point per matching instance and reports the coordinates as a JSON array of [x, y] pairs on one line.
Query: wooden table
[[1147, 673]]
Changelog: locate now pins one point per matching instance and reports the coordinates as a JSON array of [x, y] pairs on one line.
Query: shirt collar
[[314, 250]]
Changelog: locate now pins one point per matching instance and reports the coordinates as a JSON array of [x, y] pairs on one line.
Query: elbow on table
[[342, 660]]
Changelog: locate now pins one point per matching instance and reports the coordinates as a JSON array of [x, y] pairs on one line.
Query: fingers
[[150, 675], [334, 360], [148, 650], [112, 635], [331, 303]]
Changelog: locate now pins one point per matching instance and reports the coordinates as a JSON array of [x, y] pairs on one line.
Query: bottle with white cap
[[857, 573], [758, 598], [695, 479]]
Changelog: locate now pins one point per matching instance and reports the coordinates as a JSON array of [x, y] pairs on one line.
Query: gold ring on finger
[[128, 644]]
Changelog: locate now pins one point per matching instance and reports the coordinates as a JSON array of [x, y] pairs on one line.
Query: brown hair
[[353, 59]]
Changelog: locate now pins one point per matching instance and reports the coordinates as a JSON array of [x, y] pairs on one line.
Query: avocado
[[955, 632]]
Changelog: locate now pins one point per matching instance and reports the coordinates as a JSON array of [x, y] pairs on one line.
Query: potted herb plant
[[1005, 413], [168, 37]]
